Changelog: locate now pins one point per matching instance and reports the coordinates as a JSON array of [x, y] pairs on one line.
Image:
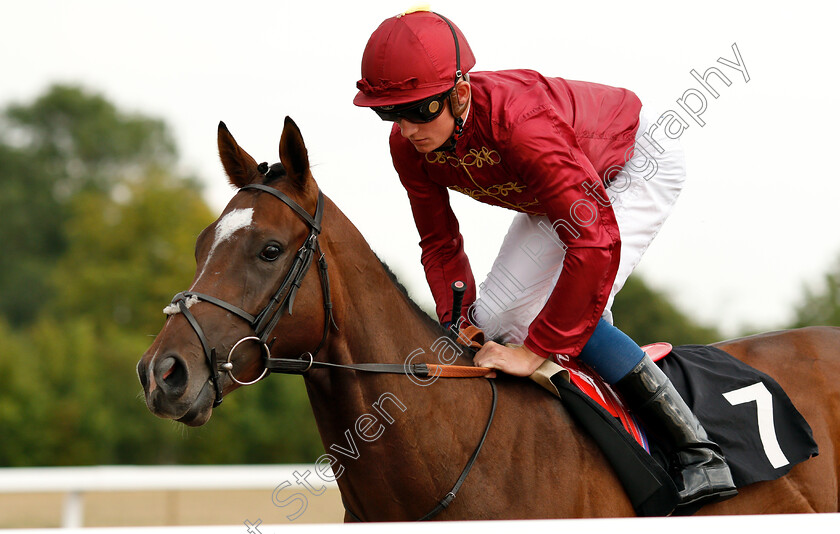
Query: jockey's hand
[[516, 361]]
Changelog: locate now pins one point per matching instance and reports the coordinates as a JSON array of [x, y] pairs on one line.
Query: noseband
[[264, 322]]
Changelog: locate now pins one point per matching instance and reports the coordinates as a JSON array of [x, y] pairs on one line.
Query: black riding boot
[[704, 476]]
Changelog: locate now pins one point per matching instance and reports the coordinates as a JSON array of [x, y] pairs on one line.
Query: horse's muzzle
[[166, 381]]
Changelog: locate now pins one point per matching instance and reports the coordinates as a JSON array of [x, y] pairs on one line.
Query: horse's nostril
[[171, 374], [141, 374], [166, 367]]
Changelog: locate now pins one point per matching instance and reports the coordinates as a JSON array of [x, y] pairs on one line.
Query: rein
[[292, 366], [266, 320], [444, 503]]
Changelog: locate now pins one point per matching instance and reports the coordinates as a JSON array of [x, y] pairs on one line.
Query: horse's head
[[250, 264]]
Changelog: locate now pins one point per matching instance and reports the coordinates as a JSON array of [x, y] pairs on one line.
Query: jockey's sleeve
[[441, 242], [544, 152]]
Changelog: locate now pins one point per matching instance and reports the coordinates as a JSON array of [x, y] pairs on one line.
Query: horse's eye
[[271, 252]]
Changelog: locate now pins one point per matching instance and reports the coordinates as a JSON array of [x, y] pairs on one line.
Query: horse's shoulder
[[529, 403]]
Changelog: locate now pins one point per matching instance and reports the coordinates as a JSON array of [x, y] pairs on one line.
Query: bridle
[[264, 322]]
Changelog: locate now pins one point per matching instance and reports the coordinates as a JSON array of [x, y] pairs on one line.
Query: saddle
[[583, 378]]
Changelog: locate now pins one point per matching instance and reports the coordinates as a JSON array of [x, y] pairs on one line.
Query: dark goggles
[[418, 112]]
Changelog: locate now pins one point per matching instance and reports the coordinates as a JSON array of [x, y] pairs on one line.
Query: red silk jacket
[[539, 146]]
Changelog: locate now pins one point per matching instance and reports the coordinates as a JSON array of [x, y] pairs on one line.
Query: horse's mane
[[430, 321], [420, 312]]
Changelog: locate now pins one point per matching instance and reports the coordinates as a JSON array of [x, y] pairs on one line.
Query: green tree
[[98, 235], [126, 258], [83, 141], [30, 236], [821, 306], [648, 315], [69, 396], [128, 254], [67, 141]]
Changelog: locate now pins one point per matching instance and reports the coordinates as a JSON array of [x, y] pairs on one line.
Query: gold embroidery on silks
[[478, 158], [475, 157], [493, 190], [524, 205]]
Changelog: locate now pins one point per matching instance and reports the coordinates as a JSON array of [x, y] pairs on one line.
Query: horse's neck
[[379, 323], [376, 321], [376, 426]]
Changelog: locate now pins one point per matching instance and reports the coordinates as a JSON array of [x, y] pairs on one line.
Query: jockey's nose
[[407, 128]]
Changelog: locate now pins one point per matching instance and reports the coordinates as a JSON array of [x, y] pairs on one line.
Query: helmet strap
[[458, 109]]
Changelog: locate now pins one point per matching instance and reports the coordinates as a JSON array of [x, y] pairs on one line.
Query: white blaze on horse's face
[[230, 223], [226, 227]]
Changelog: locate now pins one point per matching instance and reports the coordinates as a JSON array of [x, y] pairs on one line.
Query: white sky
[[758, 217]]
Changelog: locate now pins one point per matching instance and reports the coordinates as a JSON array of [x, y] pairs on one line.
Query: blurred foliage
[[648, 316], [821, 306], [66, 142], [83, 141], [31, 234], [127, 255], [98, 234]]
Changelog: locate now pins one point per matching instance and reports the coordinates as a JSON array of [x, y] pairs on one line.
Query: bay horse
[[406, 440]]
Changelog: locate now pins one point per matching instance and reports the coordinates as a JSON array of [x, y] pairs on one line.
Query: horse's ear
[[293, 154], [240, 167]]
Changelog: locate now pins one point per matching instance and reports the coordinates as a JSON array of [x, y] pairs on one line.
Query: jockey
[[591, 185]]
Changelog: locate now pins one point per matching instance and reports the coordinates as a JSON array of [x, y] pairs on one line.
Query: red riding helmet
[[411, 57]]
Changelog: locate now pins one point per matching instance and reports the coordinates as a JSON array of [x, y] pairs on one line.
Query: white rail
[[74, 482], [828, 523]]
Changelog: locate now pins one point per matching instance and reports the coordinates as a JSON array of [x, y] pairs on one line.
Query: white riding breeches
[[530, 260]]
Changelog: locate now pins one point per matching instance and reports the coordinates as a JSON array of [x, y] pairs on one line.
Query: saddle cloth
[[746, 412]]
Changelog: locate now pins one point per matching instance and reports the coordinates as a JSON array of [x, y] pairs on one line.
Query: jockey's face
[[427, 136]]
